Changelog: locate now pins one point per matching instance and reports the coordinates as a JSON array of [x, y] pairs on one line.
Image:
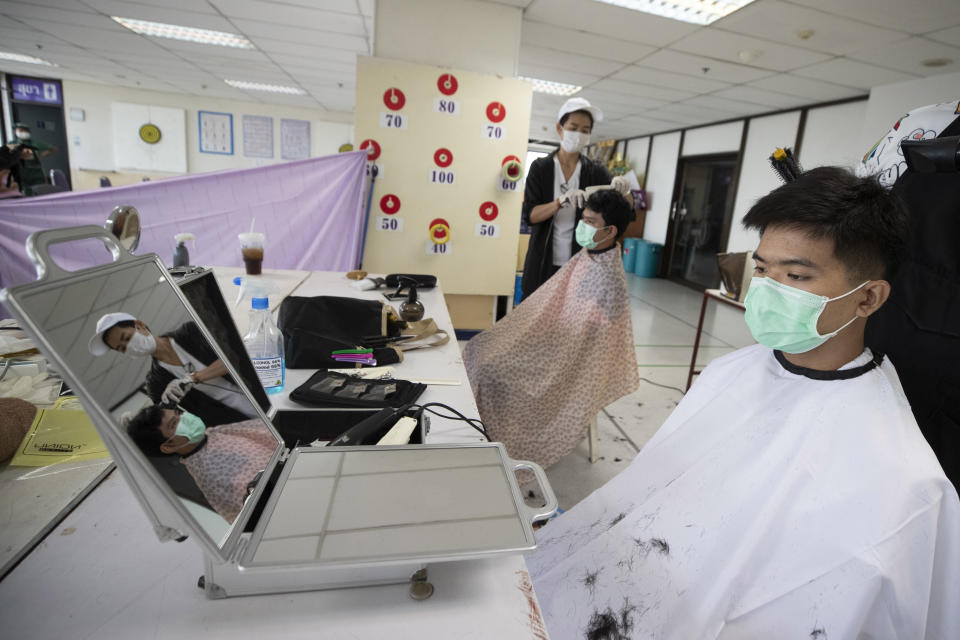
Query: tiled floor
[[664, 324]]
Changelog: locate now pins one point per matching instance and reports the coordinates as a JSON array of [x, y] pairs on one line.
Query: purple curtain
[[311, 211]]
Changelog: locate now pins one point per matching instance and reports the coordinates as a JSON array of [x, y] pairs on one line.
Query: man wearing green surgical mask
[[222, 460], [790, 493]]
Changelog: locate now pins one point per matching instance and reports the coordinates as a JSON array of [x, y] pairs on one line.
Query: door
[[47, 126], [700, 220]]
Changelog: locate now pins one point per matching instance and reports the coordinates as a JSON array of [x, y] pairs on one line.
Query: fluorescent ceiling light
[[272, 88], [17, 57], [189, 34], [553, 88], [694, 11]]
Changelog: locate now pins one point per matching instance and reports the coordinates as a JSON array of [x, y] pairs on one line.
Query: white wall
[[831, 136], [663, 168], [460, 34], [91, 141], [719, 138], [757, 177], [890, 102]]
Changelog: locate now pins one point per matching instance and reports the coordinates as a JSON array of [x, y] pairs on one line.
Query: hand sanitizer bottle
[[264, 343]]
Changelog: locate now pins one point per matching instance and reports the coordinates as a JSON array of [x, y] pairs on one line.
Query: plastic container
[[264, 344], [518, 289], [648, 259], [630, 254], [181, 257]]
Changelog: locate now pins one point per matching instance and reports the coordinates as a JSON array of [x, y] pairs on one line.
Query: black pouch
[[333, 389], [305, 349], [420, 281]]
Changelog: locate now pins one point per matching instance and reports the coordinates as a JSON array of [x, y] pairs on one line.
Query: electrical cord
[[665, 386], [473, 422]]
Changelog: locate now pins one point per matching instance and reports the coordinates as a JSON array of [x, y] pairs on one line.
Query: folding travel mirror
[[314, 517]]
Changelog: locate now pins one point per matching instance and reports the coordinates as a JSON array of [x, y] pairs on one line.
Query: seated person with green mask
[[790, 494], [222, 460]]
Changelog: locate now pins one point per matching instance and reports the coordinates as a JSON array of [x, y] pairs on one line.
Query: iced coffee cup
[[251, 246]]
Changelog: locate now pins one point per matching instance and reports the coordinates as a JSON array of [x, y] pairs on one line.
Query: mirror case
[[318, 517]]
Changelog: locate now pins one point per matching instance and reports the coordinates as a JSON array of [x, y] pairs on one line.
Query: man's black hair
[[566, 116], [144, 429], [122, 323], [612, 207], [868, 225]]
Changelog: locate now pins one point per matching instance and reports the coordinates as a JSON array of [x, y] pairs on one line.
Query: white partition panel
[[663, 170], [719, 138], [757, 177], [638, 149], [831, 135]]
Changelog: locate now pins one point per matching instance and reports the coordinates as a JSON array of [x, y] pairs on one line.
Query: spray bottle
[[181, 258], [263, 341]]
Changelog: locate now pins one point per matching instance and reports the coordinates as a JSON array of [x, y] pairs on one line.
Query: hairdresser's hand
[[175, 391], [576, 197], [621, 185]]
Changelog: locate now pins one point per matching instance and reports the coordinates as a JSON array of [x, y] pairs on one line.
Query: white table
[[102, 573]]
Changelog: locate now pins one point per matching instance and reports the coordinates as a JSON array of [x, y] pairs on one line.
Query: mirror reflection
[[125, 333], [124, 223]]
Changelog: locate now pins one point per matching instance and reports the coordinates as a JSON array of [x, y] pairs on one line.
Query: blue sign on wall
[[36, 90]]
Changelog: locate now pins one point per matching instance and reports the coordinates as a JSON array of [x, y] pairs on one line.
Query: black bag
[[314, 327], [329, 388]]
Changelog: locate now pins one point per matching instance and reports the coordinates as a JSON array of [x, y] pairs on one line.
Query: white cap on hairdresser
[[580, 104], [96, 345]]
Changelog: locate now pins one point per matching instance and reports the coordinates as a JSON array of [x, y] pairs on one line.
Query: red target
[[443, 157], [372, 147], [389, 204], [496, 112], [489, 211], [447, 84], [394, 99]]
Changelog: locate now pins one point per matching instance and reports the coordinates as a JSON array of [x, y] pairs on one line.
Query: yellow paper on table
[[59, 435]]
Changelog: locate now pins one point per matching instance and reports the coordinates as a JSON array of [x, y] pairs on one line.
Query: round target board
[[389, 204], [443, 157], [447, 84], [496, 112], [394, 99]]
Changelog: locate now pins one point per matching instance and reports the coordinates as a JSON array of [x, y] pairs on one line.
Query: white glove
[[621, 185], [175, 391], [577, 197]]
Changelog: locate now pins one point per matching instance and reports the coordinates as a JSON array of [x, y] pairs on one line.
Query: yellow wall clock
[[150, 133]]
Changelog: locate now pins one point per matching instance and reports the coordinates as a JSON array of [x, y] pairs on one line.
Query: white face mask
[[574, 141], [23, 135], [141, 345]]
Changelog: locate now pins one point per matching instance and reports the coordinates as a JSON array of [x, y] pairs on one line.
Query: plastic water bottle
[[264, 343]]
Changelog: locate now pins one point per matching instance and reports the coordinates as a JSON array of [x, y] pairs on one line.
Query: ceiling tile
[[582, 42], [908, 55], [606, 100], [723, 45], [69, 5], [691, 65], [914, 16], [759, 96], [332, 57], [36, 16], [641, 90], [950, 36], [190, 6], [852, 73], [646, 123], [285, 14], [556, 75], [780, 21], [556, 59], [725, 107], [655, 77], [302, 35], [339, 6], [200, 52], [608, 21], [815, 90]]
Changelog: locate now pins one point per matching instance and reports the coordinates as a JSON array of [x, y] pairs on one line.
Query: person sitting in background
[[542, 373], [790, 494], [185, 370], [222, 460], [554, 194]]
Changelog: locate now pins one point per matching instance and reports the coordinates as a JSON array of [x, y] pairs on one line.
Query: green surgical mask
[[785, 318], [191, 427], [585, 233]]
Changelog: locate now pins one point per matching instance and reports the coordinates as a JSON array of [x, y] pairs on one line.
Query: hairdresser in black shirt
[[554, 195]]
